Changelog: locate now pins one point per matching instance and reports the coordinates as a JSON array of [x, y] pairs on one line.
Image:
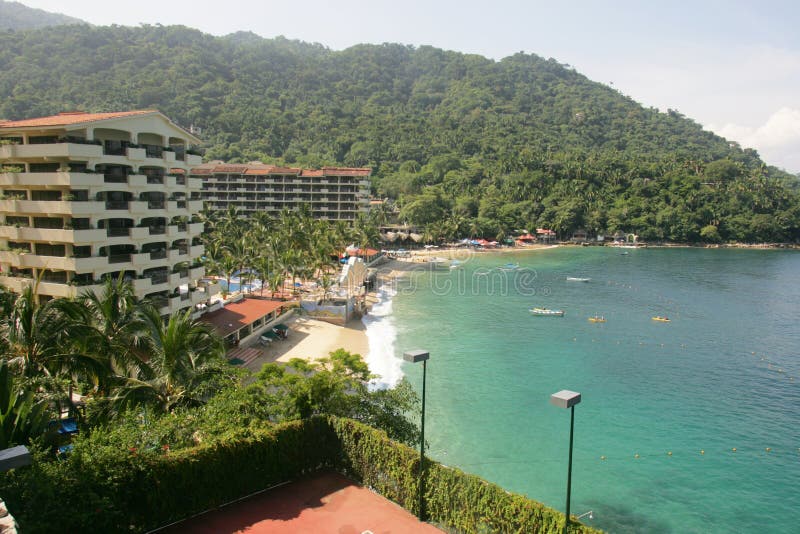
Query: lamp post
[[415, 356], [567, 399]]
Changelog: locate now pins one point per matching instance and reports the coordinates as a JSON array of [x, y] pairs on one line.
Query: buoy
[[602, 457], [733, 449], [669, 453], [769, 449], [636, 455], [703, 452]]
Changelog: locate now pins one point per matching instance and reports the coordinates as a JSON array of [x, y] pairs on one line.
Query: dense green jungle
[[463, 145]]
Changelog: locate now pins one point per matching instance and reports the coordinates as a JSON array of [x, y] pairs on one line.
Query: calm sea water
[[723, 374]]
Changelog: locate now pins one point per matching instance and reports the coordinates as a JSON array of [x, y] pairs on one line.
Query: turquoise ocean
[[664, 405]]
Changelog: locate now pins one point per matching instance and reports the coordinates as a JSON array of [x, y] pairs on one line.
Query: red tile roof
[[72, 117], [236, 315]]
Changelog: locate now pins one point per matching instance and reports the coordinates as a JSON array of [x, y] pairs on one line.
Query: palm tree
[[112, 326], [22, 415], [181, 357]]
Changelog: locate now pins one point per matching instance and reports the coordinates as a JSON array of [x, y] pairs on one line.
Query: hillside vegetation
[[15, 16], [464, 144]]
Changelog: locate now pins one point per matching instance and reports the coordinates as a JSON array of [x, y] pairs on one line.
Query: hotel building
[[88, 196], [333, 193]]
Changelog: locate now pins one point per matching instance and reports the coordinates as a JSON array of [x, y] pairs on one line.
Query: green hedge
[[454, 501], [102, 489]]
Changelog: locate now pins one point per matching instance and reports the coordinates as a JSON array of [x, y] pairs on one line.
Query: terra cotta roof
[[72, 117], [236, 315]]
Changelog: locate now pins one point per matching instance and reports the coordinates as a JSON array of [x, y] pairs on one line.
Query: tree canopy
[[509, 144]]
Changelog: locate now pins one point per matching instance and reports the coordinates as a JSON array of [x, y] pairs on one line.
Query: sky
[[732, 66]]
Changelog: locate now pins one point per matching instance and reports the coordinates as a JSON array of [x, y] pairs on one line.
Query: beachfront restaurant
[[241, 321]]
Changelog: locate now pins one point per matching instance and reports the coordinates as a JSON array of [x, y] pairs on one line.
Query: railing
[[159, 180], [117, 204], [118, 232], [155, 204], [157, 230], [182, 204], [158, 254]]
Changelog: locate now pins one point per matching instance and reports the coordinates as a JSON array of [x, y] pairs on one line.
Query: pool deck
[[324, 503]]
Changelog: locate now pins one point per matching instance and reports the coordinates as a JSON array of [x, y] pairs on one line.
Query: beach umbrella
[[402, 235], [416, 237], [391, 236]]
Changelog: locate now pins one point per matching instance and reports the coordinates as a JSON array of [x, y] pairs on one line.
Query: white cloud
[[777, 140]]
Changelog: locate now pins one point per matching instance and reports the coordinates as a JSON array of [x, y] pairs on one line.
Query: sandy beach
[[310, 339]]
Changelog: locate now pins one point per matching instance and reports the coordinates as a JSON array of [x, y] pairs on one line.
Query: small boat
[[455, 264], [597, 319], [510, 267], [577, 279], [661, 319], [547, 312], [623, 253]]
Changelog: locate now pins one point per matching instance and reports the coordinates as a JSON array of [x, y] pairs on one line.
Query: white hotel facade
[[89, 196]]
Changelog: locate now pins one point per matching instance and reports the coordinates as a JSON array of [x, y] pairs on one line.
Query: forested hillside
[[15, 16], [465, 144]]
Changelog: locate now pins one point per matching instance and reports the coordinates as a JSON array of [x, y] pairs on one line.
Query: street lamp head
[[415, 356], [565, 398]]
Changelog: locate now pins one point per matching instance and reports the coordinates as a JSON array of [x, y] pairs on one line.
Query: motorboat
[[661, 319], [577, 279], [546, 312], [597, 319], [510, 267]]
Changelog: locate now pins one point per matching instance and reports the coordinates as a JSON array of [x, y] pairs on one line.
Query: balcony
[[157, 230], [66, 179], [193, 161], [27, 260], [196, 228], [18, 285], [140, 232], [50, 207], [176, 254], [52, 150], [175, 230], [52, 235], [195, 206], [158, 254], [136, 154], [196, 273], [196, 251], [142, 286]]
